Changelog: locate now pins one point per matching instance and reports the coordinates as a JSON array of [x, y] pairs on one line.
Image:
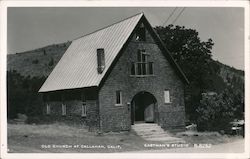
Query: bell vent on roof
[[100, 60], [141, 33]]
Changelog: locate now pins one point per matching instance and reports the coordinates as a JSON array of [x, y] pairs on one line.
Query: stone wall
[[74, 113], [92, 118], [117, 118]]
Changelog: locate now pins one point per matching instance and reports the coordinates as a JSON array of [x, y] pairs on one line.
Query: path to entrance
[[153, 132]]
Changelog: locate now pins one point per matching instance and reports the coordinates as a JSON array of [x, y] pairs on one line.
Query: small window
[[84, 107], [84, 110], [118, 97], [63, 109], [166, 96], [47, 109]]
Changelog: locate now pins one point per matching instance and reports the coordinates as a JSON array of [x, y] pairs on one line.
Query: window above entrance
[[143, 67]]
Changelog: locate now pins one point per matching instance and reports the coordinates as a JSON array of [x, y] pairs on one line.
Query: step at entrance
[[153, 132]]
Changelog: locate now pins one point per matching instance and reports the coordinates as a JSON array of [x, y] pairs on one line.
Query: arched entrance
[[144, 108]]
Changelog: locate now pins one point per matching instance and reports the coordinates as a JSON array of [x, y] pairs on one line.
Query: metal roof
[[78, 66]]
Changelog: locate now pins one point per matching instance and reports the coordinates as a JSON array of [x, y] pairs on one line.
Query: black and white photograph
[[125, 80]]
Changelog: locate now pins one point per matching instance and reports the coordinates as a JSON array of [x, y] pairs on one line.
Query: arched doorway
[[144, 108]]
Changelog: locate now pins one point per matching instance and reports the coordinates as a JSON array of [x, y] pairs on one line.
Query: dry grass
[[56, 129], [29, 138]]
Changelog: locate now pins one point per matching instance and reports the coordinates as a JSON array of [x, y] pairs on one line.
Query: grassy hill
[[38, 62], [230, 75]]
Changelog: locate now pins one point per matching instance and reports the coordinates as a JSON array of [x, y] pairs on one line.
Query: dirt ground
[[60, 138]]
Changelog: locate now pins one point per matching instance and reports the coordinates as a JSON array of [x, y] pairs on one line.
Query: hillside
[[39, 62], [231, 75]]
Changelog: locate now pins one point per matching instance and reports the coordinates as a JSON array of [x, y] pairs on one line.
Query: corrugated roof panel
[[78, 66]]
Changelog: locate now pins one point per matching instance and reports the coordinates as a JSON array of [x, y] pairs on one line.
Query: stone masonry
[[117, 118]]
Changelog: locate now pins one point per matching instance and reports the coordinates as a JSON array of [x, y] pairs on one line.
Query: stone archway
[[144, 108]]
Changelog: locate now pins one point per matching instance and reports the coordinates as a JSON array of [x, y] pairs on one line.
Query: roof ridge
[[142, 13]]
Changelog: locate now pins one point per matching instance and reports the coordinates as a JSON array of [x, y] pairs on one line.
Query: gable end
[[165, 51], [158, 41]]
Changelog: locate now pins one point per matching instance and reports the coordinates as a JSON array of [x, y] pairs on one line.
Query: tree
[[23, 94], [194, 57], [192, 54]]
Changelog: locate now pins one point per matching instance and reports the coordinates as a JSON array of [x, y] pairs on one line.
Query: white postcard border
[[3, 97]]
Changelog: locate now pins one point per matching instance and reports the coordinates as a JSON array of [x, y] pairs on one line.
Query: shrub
[[216, 112]]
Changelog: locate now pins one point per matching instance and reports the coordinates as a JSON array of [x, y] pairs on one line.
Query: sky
[[31, 28]]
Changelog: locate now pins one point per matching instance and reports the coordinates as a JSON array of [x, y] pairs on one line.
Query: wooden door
[[149, 113]]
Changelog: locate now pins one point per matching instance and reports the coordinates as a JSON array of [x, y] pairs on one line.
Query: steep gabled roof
[[78, 66]]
